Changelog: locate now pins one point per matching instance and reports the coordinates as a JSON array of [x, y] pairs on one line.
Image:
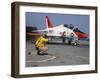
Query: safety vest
[[41, 42]]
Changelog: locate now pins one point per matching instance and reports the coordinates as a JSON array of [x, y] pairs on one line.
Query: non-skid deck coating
[[61, 55]]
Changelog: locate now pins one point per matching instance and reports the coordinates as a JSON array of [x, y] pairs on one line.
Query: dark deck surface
[[62, 54]]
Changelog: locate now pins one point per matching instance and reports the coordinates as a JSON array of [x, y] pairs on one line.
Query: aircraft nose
[[81, 35], [85, 35]]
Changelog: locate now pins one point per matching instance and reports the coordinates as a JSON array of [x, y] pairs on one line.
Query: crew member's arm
[[45, 39]]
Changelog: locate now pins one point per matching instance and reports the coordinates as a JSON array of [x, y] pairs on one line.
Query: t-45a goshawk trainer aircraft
[[57, 31]]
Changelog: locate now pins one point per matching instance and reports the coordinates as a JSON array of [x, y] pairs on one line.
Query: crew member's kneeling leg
[[43, 50]]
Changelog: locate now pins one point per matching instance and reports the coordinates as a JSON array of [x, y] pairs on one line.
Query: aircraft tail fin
[[48, 23]]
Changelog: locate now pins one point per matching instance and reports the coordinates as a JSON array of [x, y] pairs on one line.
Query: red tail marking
[[49, 22]]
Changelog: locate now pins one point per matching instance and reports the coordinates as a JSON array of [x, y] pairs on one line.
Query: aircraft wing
[[39, 30]]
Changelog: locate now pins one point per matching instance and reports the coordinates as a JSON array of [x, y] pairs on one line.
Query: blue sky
[[38, 20]]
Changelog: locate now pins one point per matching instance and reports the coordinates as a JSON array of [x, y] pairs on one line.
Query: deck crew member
[[40, 45]]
